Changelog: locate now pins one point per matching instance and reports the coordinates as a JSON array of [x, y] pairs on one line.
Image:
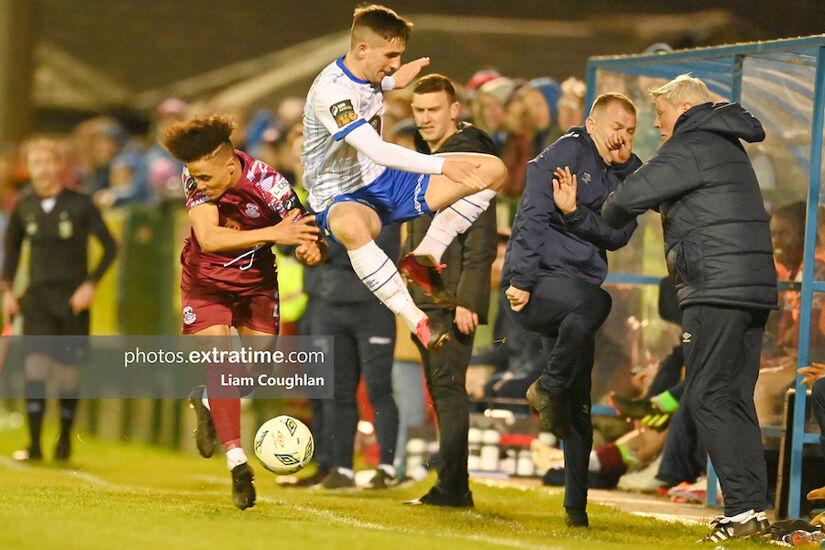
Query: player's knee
[[351, 234]]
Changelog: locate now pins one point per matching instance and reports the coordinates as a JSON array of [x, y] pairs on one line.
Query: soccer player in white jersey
[[357, 181]]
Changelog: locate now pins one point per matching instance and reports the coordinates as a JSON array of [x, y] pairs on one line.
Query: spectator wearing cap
[[541, 101], [570, 106], [107, 139], [162, 171], [489, 108]]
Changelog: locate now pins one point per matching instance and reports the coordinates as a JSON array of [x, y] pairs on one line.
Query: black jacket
[[470, 256], [547, 243], [716, 232], [59, 240]]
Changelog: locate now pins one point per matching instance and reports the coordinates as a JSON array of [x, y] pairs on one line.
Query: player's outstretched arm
[[408, 71], [214, 238]]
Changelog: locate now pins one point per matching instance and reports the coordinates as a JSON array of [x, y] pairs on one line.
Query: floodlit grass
[[118, 495]]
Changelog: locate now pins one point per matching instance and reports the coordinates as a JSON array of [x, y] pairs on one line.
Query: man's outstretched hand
[[408, 71]]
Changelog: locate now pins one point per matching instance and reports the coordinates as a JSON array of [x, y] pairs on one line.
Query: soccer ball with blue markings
[[284, 445]]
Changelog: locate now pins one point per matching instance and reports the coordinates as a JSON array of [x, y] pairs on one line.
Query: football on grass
[[284, 445]]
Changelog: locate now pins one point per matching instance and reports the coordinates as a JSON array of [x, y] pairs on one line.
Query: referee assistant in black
[[57, 222], [467, 276]]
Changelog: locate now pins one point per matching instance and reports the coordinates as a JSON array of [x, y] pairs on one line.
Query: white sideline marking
[[323, 514], [337, 518], [12, 464]]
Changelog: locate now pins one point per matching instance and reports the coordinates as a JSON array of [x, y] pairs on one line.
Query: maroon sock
[[610, 457], [226, 415], [224, 406]]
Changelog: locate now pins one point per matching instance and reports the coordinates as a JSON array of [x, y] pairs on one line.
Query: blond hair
[[683, 89], [52, 145], [606, 99]]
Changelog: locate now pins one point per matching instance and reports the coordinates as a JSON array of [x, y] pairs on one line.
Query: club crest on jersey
[[31, 226], [189, 315], [343, 113], [65, 228], [252, 210]]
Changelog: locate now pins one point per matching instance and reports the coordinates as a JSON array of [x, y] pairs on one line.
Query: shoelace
[[245, 254]]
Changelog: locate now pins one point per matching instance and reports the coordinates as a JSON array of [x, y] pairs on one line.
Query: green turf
[[118, 495]]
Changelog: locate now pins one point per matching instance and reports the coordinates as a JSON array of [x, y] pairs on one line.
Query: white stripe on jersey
[[333, 167]]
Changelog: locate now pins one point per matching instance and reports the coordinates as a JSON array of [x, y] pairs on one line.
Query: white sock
[[235, 457], [452, 220], [346, 472], [739, 517], [595, 464], [388, 469], [379, 273]]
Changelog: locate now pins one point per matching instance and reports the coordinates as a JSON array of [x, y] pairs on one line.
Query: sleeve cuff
[[574, 218], [387, 83]]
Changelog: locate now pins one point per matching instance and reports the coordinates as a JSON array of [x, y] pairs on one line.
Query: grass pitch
[[118, 495]]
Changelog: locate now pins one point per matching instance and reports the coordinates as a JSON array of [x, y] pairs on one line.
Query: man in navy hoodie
[[554, 268], [718, 249]]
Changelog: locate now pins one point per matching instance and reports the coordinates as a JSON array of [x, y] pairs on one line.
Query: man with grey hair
[[718, 249]]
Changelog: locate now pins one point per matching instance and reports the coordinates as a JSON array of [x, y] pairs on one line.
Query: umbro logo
[[686, 337]]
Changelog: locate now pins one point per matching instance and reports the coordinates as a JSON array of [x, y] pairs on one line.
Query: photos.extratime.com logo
[[134, 367]]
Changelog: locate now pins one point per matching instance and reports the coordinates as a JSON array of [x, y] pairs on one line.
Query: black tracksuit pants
[[363, 345], [567, 313], [722, 347], [446, 372]]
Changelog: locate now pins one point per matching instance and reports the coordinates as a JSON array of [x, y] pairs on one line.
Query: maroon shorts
[[205, 305]]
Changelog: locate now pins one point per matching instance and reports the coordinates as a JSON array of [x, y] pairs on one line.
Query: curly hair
[[198, 137]]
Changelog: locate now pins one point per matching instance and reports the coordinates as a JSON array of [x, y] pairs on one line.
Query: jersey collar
[[340, 63]]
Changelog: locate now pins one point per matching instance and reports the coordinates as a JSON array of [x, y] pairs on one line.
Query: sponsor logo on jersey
[[252, 210], [343, 113], [189, 315]]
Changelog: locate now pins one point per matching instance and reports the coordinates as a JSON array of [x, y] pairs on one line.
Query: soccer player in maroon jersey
[[238, 207]]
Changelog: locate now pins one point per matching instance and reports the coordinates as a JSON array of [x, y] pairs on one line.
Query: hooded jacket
[[547, 243], [716, 231]]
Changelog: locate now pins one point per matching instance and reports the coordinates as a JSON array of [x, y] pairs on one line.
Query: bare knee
[[353, 228]]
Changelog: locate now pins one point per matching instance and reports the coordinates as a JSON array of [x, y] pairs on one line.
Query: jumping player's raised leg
[[355, 226], [459, 205]]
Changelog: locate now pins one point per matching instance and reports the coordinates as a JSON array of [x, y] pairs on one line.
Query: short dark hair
[[382, 21], [613, 97], [435, 83], [198, 137]]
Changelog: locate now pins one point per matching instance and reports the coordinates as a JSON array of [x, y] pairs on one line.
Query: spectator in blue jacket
[[554, 268]]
